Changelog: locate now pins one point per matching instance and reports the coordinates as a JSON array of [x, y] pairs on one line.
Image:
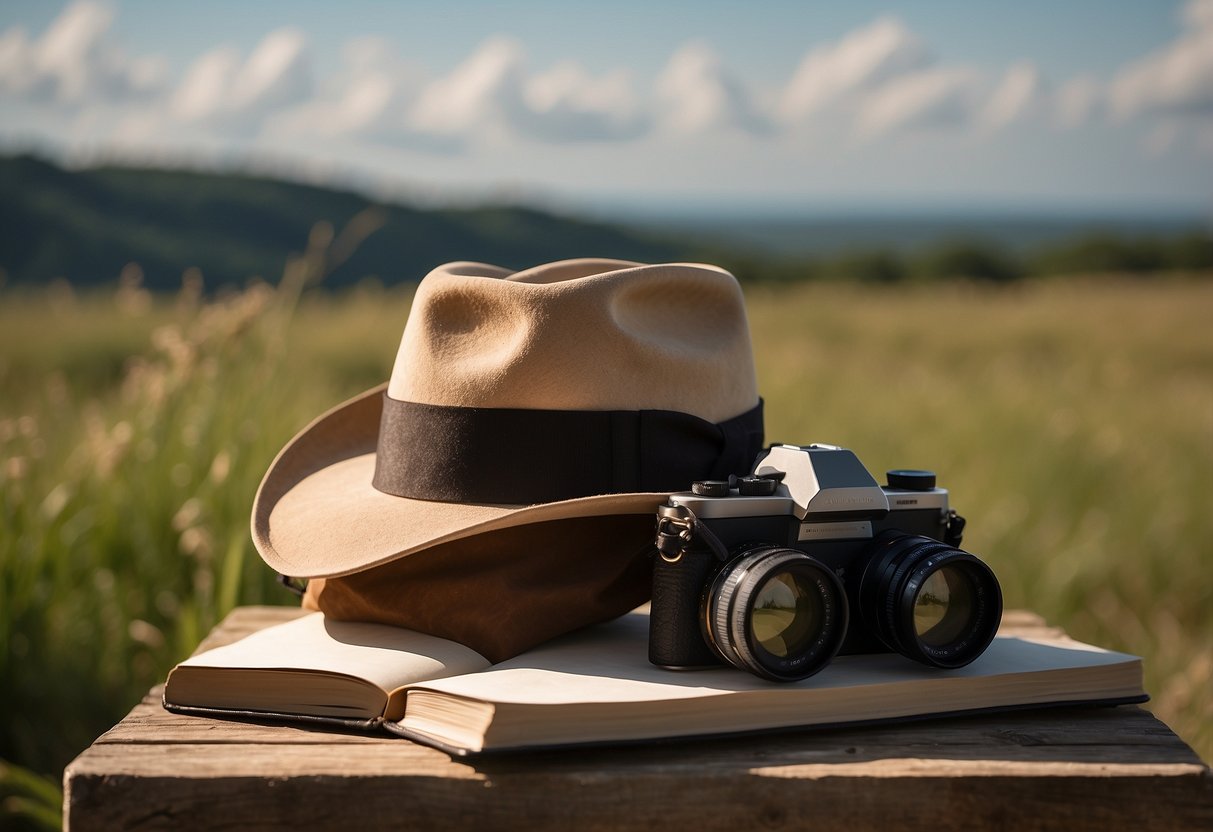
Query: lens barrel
[[929, 601], [776, 612]]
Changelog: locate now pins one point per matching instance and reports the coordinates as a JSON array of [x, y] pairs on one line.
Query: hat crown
[[583, 334]]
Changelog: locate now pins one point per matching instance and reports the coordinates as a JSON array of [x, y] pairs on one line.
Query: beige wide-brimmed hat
[[578, 389]]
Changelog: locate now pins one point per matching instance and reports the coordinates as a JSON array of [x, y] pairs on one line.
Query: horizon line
[[673, 207]]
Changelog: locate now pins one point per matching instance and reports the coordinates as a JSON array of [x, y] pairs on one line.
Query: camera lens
[[777, 613], [943, 607], [784, 619], [929, 601]]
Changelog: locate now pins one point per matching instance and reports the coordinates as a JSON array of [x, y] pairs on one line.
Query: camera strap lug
[[673, 532], [954, 529], [677, 527]]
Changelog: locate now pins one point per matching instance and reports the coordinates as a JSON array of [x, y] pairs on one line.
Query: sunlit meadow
[[1072, 421]]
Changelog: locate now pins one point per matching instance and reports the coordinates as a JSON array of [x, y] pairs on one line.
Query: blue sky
[[1087, 106]]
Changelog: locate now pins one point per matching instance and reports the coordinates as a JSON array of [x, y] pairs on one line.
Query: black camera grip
[[675, 636]]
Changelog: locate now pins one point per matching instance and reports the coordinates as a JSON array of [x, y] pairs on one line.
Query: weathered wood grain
[[1065, 768]]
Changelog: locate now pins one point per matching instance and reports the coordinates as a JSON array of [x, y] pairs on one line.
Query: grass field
[[1071, 420]]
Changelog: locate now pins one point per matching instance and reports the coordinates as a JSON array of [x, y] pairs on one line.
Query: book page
[[598, 686], [609, 663], [387, 657]]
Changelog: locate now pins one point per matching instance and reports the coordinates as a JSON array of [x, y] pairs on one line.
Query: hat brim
[[317, 515]]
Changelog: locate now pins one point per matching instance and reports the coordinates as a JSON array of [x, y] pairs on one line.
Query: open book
[[597, 686]]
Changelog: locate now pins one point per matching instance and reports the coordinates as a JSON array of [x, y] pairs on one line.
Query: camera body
[[853, 552]]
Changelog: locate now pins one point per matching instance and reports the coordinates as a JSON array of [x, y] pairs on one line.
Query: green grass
[[1071, 420]]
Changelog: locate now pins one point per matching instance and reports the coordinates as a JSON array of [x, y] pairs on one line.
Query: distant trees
[[986, 262], [1114, 253]]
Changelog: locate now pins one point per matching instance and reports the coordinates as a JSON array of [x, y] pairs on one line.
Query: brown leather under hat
[[500, 489]]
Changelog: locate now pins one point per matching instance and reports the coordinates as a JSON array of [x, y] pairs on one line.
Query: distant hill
[[86, 225]]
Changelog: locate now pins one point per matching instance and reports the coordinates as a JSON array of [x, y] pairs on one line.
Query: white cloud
[[278, 73], [376, 87], [1175, 80], [1198, 14], [567, 104], [882, 78], [207, 83], [931, 98], [878, 80], [481, 93], [695, 94], [219, 87], [1015, 97], [860, 61], [492, 94], [364, 104], [16, 63], [75, 60], [368, 98]]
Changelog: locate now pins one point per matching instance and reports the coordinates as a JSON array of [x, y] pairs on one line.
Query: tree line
[[984, 261]]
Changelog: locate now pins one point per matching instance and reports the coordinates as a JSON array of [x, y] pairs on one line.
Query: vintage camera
[[778, 572]]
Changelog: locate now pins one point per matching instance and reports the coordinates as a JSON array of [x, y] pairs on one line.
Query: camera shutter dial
[[710, 488], [756, 486]]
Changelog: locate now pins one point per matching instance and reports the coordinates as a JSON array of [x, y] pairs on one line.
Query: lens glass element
[[779, 613], [927, 600], [787, 615], [944, 607]]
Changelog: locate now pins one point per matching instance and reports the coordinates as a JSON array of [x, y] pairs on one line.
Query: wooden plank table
[[1065, 768]]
